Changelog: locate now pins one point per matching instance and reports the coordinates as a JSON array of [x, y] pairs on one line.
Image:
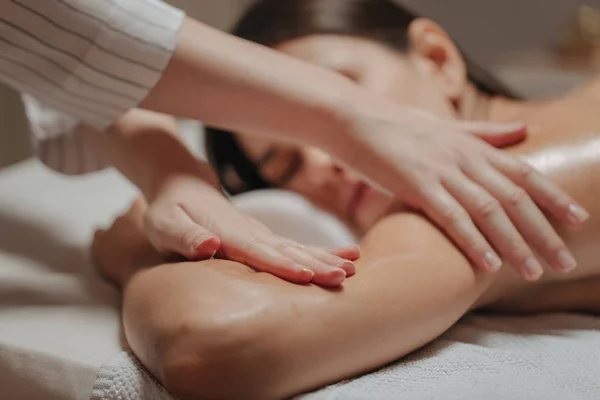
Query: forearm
[[144, 146], [231, 83]]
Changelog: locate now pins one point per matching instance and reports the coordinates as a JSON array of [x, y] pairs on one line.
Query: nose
[[324, 170]]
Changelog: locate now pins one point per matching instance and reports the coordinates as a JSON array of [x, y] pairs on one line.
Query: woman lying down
[[218, 330]]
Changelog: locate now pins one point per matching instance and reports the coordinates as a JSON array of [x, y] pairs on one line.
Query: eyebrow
[[290, 172], [268, 156]]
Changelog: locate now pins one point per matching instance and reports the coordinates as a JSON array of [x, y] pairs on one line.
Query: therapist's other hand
[[192, 218], [485, 199]]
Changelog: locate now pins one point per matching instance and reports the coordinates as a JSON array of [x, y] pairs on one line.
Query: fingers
[[490, 217], [330, 258], [172, 230], [265, 258], [327, 269], [325, 273], [351, 253], [443, 208], [529, 220], [291, 261], [498, 135], [543, 191]]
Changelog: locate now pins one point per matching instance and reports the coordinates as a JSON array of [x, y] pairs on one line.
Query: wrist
[[167, 178], [348, 110]]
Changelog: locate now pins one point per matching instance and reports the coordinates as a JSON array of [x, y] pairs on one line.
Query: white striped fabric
[[82, 62]]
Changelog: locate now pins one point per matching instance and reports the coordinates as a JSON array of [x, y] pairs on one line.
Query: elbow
[[212, 360]]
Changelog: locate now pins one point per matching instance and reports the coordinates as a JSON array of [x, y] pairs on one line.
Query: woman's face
[[418, 79]]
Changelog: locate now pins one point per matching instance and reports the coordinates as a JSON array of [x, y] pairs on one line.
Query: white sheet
[[59, 321], [548, 357]]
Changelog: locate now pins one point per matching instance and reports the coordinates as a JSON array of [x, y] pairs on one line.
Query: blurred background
[[540, 48]]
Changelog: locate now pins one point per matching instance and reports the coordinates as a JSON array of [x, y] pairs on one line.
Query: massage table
[[60, 335]]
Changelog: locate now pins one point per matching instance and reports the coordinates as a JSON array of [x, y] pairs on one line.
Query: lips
[[357, 198]]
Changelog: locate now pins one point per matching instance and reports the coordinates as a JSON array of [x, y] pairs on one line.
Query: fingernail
[[308, 271], [577, 214], [492, 262], [516, 126], [344, 263], [533, 268], [566, 261], [349, 268], [203, 242], [508, 127]]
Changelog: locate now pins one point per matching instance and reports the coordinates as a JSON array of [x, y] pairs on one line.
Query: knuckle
[[157, 220], [488, 207], [283, 245], [523, 171], [251, 244], [454, 216], [192, 238], [517, 197]]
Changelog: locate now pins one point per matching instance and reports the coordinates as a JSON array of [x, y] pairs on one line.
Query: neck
[[477, 106]]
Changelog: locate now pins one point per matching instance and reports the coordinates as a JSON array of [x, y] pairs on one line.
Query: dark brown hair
[[272, 22]]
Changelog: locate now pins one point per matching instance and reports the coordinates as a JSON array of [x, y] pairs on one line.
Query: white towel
[[549, 357]]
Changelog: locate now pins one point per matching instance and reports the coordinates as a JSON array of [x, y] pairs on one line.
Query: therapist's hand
[[190, 217], [485, 199]]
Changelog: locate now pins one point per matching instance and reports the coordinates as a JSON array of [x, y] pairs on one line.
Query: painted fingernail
[[492, 262], [577, 214], [533, 269], [566, 261]]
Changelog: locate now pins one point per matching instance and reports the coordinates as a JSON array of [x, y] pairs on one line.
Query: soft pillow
[[291, 216]]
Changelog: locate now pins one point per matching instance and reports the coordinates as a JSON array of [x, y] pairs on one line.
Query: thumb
[[497, 134], [173, 231]]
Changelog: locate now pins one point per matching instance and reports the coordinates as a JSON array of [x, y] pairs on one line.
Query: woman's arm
[[216, 329]]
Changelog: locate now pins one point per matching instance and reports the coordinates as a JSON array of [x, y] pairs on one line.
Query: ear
[[441, 58]]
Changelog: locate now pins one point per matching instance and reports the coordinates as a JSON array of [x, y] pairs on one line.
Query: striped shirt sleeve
[[82, 62]]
